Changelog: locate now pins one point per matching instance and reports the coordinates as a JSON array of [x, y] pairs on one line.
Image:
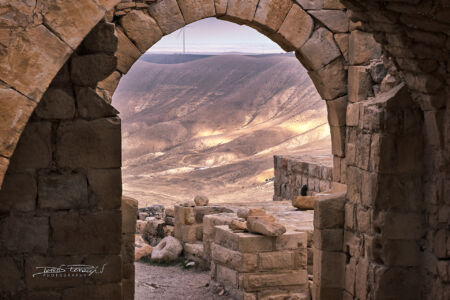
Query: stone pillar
[[383, 213], [329, 256], [60, 202], [129, 218]]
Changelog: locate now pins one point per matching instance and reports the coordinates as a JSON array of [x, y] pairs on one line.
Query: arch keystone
[[295, 30], [271, 14], [221, 7], [241, 11], [194, 10], [141, 29], [167, 14]]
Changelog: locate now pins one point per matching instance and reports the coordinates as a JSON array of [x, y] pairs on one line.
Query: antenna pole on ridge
[[184, 41]]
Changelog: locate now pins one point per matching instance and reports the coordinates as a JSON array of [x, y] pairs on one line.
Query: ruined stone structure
[[292, 173], [388, 108]]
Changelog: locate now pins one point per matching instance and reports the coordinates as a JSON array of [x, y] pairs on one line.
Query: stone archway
[[377, 144]]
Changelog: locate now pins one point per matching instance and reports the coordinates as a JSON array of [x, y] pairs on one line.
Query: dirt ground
[[173, 283]]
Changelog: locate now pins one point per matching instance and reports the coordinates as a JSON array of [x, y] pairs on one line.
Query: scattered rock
[[304, 202], [265, 225], [143, 251], [246, 212], [201, 200], [170, 211], [238, 225], [143, 216], [188, 204], [157, 211], [140, 226], [167, 250]]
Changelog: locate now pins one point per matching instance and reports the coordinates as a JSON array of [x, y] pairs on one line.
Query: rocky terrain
[[211, 124]]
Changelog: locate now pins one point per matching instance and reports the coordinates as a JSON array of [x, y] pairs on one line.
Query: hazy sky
[[214, 35]]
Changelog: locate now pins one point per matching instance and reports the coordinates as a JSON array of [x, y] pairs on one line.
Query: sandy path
[[172, 283]]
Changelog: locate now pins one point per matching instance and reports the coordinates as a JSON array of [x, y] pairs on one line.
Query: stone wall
[[61, 198], [253, 266], [292, 173]]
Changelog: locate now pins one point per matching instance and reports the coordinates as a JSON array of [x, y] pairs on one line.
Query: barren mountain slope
[[211, 124]]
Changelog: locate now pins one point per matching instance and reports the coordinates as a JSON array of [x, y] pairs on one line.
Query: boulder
[[167, 250], [265, 225], [304, 202], [201, 200]]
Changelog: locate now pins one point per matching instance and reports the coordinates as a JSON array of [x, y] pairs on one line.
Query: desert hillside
[[210, 124]]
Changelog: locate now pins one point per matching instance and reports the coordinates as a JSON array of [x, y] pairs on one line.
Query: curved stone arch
[[316, 30]]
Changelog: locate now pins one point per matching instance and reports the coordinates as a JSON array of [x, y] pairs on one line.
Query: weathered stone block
[[338, 140], [110, 83], [13, 195], [87, 70], [331, 80], [352, 118], [126, 53], [295, 29], [291, 240], [129, 211], [242, 262], [271, 14], [227, 276], [221, 7], [92, 106], [319, 50], [196, 10], [279, 260], [29, 71], [63, 191], [328, 239], [64, 19], [56, 104], [244, 242], [101, 39], [335, 20], [34, 150], [337, 110], [329, 211], [362, 48], [359, 84], [342, 41], [329, 269], [310, 4], [241, 11], [10, 278], [266, 280], [167, 14], [89, 144], [94, 233], [30, 236], [106, 184], [141, 29]]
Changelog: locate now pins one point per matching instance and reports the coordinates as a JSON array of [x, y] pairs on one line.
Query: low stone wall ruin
[[292, 173]]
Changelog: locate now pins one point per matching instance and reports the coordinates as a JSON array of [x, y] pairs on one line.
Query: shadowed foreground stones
[[87, 70], [80, 141]]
